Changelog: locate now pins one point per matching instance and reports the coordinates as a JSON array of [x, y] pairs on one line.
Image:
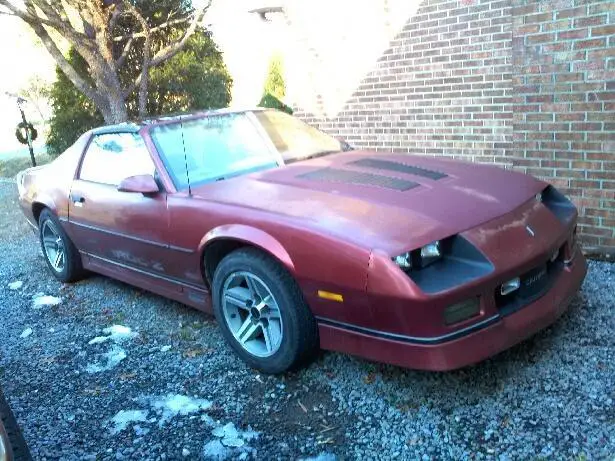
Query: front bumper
[[494, 336]]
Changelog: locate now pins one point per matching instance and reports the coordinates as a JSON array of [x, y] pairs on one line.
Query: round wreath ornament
[[21, 133]]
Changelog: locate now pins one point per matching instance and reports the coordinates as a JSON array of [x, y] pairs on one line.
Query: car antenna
[[181, 123]]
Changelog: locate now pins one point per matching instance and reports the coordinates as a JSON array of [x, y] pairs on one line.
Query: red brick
[[582, 183], [603, 30], [588, 65], [585, 165], [602, 7], [590, 21], [571, 13], [587, 44], [576, 116], [572, 34], [588, 146], [540, 17]]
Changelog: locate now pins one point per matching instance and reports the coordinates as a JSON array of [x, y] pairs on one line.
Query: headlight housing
[[421, 257], [557, 203], [443, 264]]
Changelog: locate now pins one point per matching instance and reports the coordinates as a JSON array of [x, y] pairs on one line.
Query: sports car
[[296, 241]]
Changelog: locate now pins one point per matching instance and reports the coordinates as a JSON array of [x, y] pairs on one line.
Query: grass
[[9, 167]]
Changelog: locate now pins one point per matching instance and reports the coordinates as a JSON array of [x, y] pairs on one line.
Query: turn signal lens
[[510, 286], [461, 311]]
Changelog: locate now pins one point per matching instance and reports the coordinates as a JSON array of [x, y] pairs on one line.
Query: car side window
[[111, 158]]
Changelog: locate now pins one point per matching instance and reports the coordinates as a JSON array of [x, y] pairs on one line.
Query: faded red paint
[[330, 236]]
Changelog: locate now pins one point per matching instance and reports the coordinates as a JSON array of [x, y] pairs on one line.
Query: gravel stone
[[177, 382]]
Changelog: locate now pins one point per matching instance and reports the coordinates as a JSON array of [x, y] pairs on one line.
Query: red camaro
[[294, 240]]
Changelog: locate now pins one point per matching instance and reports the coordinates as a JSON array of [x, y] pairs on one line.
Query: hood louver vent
[[399, 167], [356, 177]]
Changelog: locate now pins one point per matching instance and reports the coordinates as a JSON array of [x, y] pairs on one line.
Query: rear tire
[[262, 313], [61, 255]]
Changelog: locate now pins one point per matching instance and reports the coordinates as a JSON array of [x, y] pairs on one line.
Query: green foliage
[[72, 112], [275, 87], [194, 79]]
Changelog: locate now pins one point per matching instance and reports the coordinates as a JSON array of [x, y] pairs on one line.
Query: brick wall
[[564, 104], [527, 84]]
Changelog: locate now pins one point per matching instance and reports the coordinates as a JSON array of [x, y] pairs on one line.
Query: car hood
[[387, 202]]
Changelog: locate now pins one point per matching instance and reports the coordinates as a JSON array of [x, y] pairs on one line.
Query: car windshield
[[294, 139], [212, 148]]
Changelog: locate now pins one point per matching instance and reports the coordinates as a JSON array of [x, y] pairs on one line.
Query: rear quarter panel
[[50, 185]]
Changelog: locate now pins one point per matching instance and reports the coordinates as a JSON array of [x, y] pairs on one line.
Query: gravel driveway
[[100, 370]]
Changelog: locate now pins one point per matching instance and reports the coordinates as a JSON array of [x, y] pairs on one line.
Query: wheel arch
[[222, 240], [39, 204]]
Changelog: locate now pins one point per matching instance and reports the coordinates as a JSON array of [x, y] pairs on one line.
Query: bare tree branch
[[171, 50], [127, 47], [64, 65], [152, 30], [116, 12], [147, 56], [50, 20]]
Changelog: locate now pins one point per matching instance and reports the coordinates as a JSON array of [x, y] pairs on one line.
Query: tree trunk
[[114, 109]]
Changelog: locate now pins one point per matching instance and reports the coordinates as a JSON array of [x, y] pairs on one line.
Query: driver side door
[[125, 230]]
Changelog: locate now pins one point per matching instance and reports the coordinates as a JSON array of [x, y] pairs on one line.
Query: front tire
[[61, 255], [262, 313]]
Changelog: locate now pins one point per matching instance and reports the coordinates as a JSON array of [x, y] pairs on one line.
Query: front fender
[[249, 235]]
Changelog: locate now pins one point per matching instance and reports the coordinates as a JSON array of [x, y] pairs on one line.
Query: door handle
[[78, 200]]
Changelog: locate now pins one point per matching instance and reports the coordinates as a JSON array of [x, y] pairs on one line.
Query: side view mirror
[[143, 183]]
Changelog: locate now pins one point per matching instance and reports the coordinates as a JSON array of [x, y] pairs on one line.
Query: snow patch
[[229, 442], [214, 450], [15, 285], [115, 333], [112, 358], [175, 404], [125, 417], [323, 456], [231, 437], [165, 348], [98, 340], [44, 300], [27, 332]]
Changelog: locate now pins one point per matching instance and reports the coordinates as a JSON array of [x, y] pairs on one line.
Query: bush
[[275, 87]]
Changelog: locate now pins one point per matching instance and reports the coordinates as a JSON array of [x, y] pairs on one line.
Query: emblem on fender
[[530, 231]]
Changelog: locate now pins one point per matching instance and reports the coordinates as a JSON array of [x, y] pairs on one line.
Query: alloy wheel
[[54, 246], [252, 314]]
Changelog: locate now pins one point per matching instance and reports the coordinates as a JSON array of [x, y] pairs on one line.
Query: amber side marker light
[[330, 296]]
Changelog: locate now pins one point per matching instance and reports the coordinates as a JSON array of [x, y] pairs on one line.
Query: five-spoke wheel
[[60, 253], [262, 312], [252, 314], [53, 246]]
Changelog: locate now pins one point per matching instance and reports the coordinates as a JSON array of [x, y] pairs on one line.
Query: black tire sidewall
[[72, 258], [290, 349]]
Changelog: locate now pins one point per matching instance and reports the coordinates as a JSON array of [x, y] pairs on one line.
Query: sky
[[20, 59]]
